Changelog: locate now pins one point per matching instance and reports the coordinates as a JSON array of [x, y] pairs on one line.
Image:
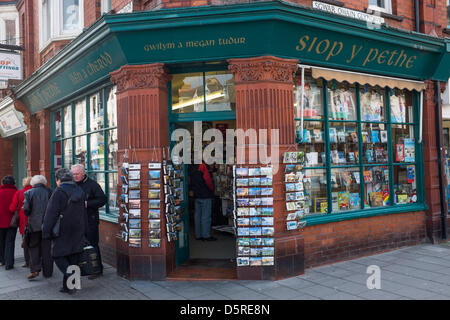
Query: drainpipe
[[438, 111], [416, 15]]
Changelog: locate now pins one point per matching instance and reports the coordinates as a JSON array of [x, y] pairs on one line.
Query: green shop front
[[348, 109]]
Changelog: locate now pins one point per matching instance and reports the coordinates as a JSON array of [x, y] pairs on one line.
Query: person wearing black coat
[[34, 207], [68, 200], [95, 199]]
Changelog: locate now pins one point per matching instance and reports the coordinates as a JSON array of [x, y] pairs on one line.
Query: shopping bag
[[89, 263]]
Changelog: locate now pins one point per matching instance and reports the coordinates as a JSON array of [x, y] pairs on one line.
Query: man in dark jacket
[[67, 204], [202, 186], [95, 199], [34, 206]]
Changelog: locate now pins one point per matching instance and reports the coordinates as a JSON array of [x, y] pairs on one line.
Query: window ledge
[[334, 2], [337, 217], [109, 217], [384, 14]]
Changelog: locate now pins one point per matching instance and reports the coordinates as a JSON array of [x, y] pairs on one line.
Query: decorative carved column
[[45, 163], [264, 100], [143, 133], [32, 138]]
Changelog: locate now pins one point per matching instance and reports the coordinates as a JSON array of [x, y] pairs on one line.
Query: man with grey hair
[[34, 206], [95, 199]]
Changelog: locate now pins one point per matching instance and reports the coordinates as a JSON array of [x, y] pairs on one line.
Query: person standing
[[95, 199], [67, 204], [17, 204], [34, 206], [203, 188], [7, 233]]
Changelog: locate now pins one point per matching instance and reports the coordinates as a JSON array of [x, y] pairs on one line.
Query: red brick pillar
[[32, 138], [6, 159], [264, 100], [142, 124], [45, 163], [431, 166]]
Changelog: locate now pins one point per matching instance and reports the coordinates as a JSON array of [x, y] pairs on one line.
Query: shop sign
[[372, 19], [10, 66], [9, 122]]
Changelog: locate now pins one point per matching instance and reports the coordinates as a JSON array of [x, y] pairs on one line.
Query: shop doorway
[[201, 259]]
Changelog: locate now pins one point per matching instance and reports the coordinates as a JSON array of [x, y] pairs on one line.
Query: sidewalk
[[419, 272]]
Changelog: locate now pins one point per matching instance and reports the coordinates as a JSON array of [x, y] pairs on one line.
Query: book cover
[[335, 156], [341, 136], [354, 136], [376, 199], [351, 157], [320, 203], [409, 150], [375, 136], [341, 156], [355, 201], [383, 136], [380, 155], [399, 152], [367, 176], [369, 155], [343, 200], [365, 137], [333, 135]]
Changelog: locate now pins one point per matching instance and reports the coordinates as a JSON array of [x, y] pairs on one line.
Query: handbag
[[88, 262], [15, 220], [56, 228]]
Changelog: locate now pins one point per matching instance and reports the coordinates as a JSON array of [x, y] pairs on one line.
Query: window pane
[[405, 187], [70, 15], [401, 106], [100, 178], [97, 151], [96, 113], [46, 19], [80, 117], [341, 101], [68, 153], [315, 190], [112, 149], [344, 143], [312, 99], [403, 143], [374, 139], [57, 159], [376, 186], [81, 150], [372, 104], [112, 197], [57, 127], [111, 107], [345, 184], [313, 143], [10, 32], [220, 91], [187, 93], [68, 121]]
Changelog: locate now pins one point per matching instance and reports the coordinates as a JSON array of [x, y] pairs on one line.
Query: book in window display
[[398, 109], [371, 105]]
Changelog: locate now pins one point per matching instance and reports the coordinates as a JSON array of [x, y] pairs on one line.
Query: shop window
[[359, 145], [381, 5], [200, 92], [81, 137], [59, 20], [10, 32]]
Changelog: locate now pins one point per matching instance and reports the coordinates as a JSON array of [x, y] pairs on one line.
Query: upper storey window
[[381, 5], [59, 20], [106, 6]]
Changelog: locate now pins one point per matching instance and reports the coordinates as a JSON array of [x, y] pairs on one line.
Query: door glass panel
[[187, 93]]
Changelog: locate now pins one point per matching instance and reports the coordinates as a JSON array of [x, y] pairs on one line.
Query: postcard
[[136, 175], [134, 194], [154, 223], [256, 241], [243, 202], [243, 261], [124, 198], [255, 211], [256, 252], [154, 213], [290, 187], [134, 166], [154, 204], [254, 182], [267, 261], [154, 165], [124, 179], [134, 233], [154, 174], [242, 182], [134, 204], [267, 231], [254, 171], [268, 241], [291, 225], [243, 241], [267, 201], [154, 243], [290, 196], [243, 251], [242, 192], [265, 181], [299, 195], [242, 221], [255, 221], [134, 223], [255, 261], [290, 206], [124, 236], [267, 221], [124, 227], [153, 194], [255, 231], [290, 168], [124, 188], [135, 213], [266, 211], [241, 172], [254, 191], [254, 202], [134, 184], [124, 170], [243, 211], [266, 171], [154, 184], [266, 191], [268, 251], [154, 233], [299, 186], [291, 177], [136, 243], [292, 215], [243, 231]]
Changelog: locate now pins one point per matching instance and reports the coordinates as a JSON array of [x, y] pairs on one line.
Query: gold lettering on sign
[[188, 44], [103, 61]]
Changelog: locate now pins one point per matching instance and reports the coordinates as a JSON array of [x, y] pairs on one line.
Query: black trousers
[[93, 238], [7, 245], [63, 263], [40, 255], [26, 252]]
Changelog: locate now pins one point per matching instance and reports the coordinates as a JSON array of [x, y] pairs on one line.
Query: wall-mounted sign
[[10, 66], [373, 19], [9, 121]]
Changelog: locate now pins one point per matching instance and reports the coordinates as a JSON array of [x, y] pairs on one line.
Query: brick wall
[[108, 232], [92, 11], [332, 242]]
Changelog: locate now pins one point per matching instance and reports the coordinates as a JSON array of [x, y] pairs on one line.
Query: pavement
[[420, 272]]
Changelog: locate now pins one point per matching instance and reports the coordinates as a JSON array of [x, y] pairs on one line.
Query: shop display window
[[313, 143], [341, 101], [312, 98], [80, 150], [80, 117], [219, 88], [376, 186], [343, 139], [96, 114], [345, 189], [316, 192], [374, 142], [373, 108], [67, 111]]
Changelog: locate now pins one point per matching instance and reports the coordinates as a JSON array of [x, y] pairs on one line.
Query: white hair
[[78, 166], [38, 179]]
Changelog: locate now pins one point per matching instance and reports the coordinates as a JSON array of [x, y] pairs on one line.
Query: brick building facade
[[103, 59]]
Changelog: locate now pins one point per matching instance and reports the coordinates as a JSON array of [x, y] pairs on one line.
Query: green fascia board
[[268, 28], [443, 70]]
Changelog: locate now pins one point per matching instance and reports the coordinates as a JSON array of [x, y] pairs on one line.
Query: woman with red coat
[[7, 234], [17, 203]]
